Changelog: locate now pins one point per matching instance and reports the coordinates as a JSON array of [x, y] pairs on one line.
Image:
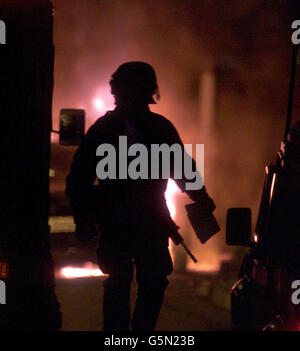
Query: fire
[[172, 190], [88, 270], [170, 193], [211, 258], [208, 267]]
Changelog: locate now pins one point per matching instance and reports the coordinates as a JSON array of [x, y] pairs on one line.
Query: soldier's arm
[[198, 195], [81, 178]]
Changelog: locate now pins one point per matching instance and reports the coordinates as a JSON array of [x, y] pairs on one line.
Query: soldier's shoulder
[[161, 120], [102, 123]]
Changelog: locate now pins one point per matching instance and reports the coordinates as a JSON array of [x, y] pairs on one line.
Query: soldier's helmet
[[135, 81]]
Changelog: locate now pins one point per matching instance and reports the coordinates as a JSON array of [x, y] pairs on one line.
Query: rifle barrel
[[189, 252]]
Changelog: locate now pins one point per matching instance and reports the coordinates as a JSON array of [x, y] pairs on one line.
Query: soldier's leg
[[116, 308], [116, 298], [153, 264]]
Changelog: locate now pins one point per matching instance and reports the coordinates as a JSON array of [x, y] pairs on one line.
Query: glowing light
[[89, 270], [272, 186], [208, 267], [99, 105], [3, 270], [210, 264], [255, 238], [172, 190], [62, 224]]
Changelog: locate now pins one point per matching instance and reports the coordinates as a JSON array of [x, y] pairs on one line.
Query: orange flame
[[88, 270], [172, 190]]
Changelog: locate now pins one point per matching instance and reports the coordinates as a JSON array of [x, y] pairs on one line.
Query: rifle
[[178, 240], [95, 199]]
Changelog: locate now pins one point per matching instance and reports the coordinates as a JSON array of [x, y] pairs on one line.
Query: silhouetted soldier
[[133, 216]]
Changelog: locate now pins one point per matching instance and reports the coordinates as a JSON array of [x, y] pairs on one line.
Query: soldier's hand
[[85, 231], [203, 201]]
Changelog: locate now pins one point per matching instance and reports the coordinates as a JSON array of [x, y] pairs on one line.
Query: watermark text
[[2, 32], [296, 33], [2, 293], [164, 162], [296, 293]]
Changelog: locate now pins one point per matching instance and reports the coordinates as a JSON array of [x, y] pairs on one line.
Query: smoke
[[245, 45]]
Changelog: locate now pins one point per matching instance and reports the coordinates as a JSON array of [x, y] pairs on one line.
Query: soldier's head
[[134, 83]]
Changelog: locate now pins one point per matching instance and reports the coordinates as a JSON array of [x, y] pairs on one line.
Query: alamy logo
[[296, 33], [2, 293], [2, 32], [296, 293], [165, 161]]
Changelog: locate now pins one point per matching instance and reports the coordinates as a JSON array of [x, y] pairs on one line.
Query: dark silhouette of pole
[[26, 73]]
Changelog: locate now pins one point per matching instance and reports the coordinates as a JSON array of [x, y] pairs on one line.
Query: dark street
[[184, 309], [192, 301]]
